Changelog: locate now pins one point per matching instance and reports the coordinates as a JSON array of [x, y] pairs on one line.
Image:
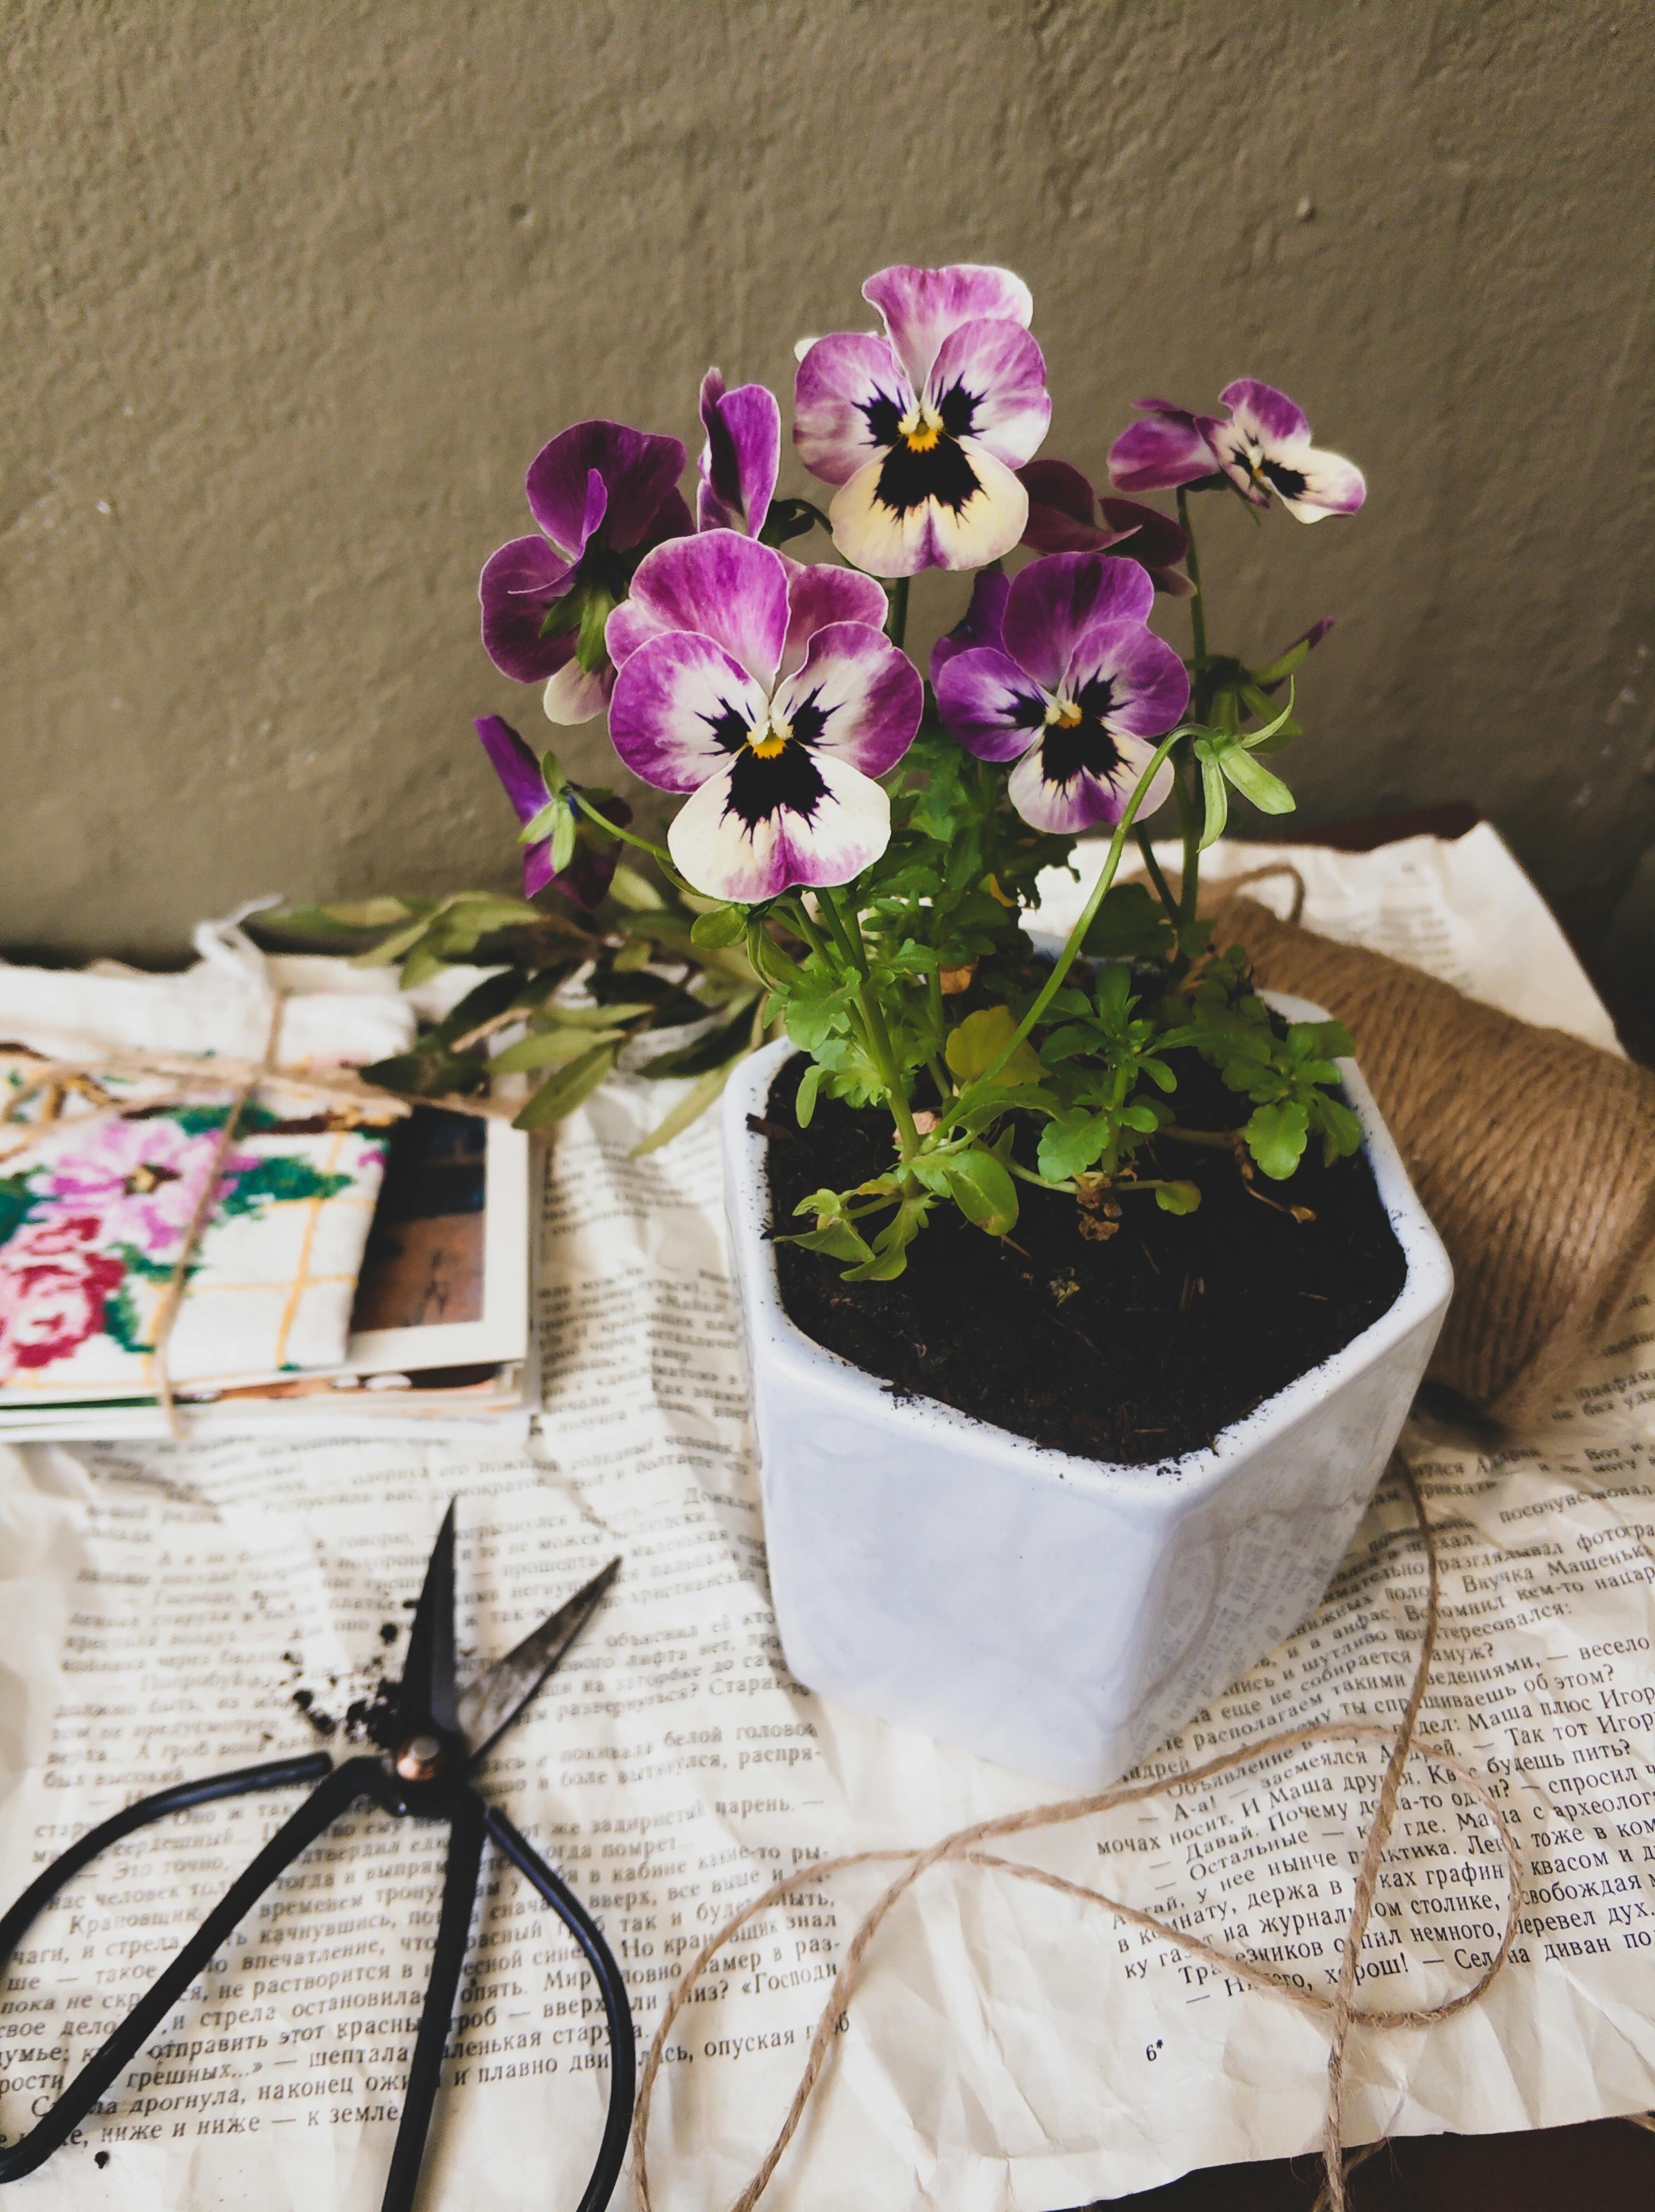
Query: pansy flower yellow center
[[768, 737], [921, 428], [1062, 714]]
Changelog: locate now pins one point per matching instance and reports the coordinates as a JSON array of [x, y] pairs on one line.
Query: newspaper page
[[169, 1611]]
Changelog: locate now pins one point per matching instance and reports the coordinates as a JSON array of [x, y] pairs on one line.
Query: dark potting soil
[[1137, 1348]]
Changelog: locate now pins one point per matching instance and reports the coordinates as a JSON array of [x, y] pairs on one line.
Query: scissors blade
[[426, 1702], [496, 1698]]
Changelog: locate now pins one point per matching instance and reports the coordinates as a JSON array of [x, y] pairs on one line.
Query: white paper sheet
[[1007, 2048]]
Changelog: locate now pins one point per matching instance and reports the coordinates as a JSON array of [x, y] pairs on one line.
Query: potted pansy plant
[[1084, 1290]]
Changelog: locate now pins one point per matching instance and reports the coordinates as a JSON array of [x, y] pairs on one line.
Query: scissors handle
[[617, 2010], [338, 1787]]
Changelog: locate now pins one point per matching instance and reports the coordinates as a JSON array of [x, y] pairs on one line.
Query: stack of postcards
[[355, 1265]]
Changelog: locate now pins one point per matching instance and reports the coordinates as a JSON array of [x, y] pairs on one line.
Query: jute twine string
[[1533, 1152], [172, 1296], [964, 1845]]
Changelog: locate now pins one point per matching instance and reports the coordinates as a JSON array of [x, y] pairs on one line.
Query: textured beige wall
[[292, 292]]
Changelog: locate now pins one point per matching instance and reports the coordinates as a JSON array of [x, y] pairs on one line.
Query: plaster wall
[[290, 293]]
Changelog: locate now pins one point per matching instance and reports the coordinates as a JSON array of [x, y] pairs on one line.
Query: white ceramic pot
[[1062, 1615]]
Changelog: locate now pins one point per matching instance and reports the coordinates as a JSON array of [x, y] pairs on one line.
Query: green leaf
[[1268, 792], [400, 941], [599, 604], [561, 1093], [839, 1241], [1177, 1197], [549, 1048], [1275, 728], [1276, 1136], [809, 1084], [1131, 924], [1071, 1143], [982, 1188], [690, 1108], [543, 823], [721, 926], [599, 1017], [1215, 799], [978, 1041], [635, 892], [426, 1074], [563, 839], [1342, 1133], [891, 1245]]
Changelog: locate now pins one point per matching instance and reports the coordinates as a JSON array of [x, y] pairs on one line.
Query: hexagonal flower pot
[[1062, 1615]]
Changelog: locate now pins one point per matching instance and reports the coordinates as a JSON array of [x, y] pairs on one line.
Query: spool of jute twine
[[1533, 1152]]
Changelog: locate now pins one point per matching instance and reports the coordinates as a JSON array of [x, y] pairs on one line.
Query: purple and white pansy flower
[[739, 462], [1075, 691], [601, 494], [1263, 446], [922, 429], [768, 692]]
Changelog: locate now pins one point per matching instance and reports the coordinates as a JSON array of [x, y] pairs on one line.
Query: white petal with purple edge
[[729, 853], [891, 541], [847, 385], [1083, 800], [990, 384], [682, 708], [857, 697], [721, 585], [1267, 414], [988, 705], [818, 594], [1056, 599], [571, 695], [922, 307], [1148, 683]]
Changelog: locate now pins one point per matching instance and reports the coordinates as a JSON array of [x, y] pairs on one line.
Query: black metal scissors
[[437, 1737]]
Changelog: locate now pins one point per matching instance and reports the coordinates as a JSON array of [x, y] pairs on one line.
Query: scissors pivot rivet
[[420, 1758]]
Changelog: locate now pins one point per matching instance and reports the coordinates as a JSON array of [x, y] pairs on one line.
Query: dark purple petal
[[1147, 684], [1054, 600], [923, 306], [1269, 414], [818, 594], [849, 396], [1062, 510], [857, 696], [981, 624], [1167, 448], [1156, 540], [682, 708], [989, 384], [519, 586], [987, 704], [637, 470], [740, 457], [721, 585], [514, 764], [672, 519]]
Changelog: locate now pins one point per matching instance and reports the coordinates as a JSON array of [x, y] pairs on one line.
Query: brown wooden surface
[[1607, 2165]]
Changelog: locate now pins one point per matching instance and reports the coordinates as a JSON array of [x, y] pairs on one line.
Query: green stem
[[1163, 891], [1197, 609], [941, 1078], [657, 853], [850, 936], [1072, 944], [1217, 1140], [896, 627]]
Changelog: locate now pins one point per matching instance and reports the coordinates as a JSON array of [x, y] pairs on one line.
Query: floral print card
[[94, 1216]]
